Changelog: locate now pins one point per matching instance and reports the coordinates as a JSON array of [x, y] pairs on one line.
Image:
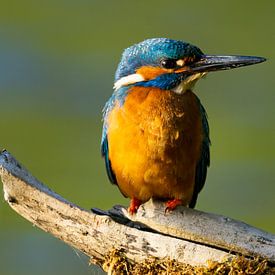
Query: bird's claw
[[134, 205], [172, 204]]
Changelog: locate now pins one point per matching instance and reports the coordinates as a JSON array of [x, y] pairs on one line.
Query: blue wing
[[204, 162], [104, 140], [118, 96], [105, 155]]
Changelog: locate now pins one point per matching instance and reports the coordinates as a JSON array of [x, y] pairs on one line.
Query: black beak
[[210, 63]]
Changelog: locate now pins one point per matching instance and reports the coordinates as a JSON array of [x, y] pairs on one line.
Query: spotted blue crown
[[150, 52]]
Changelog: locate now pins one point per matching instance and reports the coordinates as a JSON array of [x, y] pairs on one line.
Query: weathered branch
[[186, 235]]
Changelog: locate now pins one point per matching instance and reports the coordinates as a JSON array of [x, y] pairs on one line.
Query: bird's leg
[[134, 205], [172, 204]]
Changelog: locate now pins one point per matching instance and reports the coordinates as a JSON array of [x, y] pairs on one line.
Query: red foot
[[134, 205], [172, 204]]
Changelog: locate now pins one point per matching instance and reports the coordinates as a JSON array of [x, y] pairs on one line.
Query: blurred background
[[57, 64]]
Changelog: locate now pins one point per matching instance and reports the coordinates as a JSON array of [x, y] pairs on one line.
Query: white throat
[[188, 83]]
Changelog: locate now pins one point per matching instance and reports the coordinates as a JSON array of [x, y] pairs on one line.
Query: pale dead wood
[[97, 234], [210, 229]]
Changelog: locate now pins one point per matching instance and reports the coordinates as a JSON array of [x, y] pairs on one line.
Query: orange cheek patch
[[183, 69], [149, 72]]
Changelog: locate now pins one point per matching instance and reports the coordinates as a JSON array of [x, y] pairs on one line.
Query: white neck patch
[[188, 83], [129, 79]]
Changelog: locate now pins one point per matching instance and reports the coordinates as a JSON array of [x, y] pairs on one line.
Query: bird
[[155, 138]]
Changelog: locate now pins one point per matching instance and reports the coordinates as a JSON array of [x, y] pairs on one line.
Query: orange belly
[[155, 142]]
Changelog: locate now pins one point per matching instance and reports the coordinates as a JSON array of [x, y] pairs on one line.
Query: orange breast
[[154, 143]]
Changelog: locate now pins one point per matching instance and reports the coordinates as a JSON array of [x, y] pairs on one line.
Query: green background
[[57, 63]]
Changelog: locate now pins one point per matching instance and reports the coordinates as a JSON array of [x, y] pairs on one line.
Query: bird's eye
[[169, 63]]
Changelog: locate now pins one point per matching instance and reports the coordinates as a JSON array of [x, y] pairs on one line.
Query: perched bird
[[155, 139]]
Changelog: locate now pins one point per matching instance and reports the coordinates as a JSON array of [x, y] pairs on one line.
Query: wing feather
[[104, 140], [117, 96], [204, 161]]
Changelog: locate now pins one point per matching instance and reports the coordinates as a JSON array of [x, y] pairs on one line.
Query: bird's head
[[171, 65]]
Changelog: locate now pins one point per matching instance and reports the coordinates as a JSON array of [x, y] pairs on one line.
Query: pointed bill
[[209, 63]]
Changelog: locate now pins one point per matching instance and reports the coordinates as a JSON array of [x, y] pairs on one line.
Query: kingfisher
[[155, 139]]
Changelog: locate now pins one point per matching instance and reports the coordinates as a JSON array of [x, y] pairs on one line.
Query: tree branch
[[186, 235]]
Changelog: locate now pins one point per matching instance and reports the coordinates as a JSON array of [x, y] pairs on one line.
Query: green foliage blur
[[57, 64]]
